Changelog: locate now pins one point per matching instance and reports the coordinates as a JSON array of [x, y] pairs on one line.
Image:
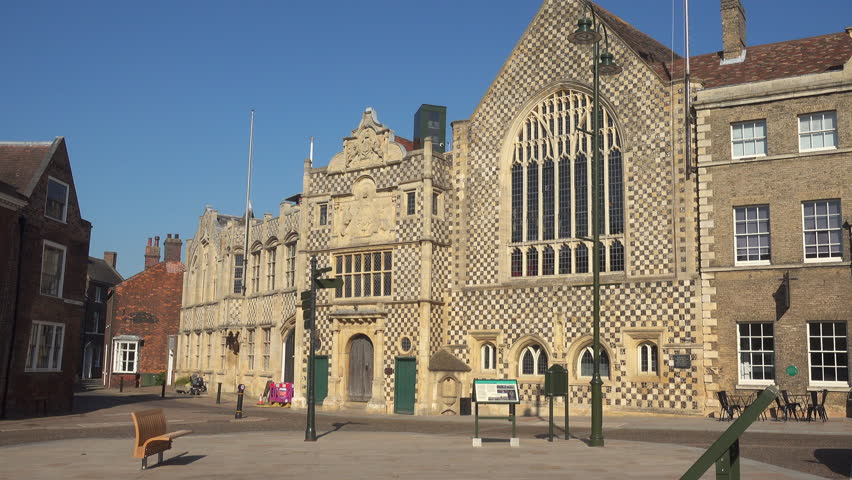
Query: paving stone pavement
[[360, 455]]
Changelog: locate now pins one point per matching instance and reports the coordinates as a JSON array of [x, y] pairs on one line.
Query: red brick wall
[[50, 392], [148, 305]]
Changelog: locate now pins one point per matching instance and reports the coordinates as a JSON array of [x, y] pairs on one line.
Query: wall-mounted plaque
[[496, 391], [682, 361]]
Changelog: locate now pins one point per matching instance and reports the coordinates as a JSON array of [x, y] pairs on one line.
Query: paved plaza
[[96, 442]]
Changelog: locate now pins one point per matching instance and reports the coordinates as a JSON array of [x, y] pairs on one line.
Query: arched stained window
[[587, 363], [488, 356], [533, 360], [532, 262], [551, 188], [648, 358]]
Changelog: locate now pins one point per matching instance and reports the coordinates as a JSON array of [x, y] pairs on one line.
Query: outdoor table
[[803, 399]]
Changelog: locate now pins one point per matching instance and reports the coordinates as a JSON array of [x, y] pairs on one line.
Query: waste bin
[[464, 406]]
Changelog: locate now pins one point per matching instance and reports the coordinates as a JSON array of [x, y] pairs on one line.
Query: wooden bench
[[151, 436]]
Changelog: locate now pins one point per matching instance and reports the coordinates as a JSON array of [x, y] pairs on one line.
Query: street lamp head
[[585, 34], [607, 65]]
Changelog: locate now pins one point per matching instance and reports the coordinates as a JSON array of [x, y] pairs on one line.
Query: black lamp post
[[604, 64]]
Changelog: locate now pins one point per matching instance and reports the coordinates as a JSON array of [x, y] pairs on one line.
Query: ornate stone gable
[[371, 145], [366, 216]]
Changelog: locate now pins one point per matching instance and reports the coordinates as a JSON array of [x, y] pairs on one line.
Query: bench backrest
[[148, 424]]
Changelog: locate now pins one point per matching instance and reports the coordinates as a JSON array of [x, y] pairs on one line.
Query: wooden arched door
[[360, 369]]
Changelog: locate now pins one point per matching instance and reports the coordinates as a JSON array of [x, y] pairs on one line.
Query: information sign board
[[496, 391], [682, 361]]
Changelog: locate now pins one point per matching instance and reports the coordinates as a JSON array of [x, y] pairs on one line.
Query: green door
[[403, 385], [320, 378]]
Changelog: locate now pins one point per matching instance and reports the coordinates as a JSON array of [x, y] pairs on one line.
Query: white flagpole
[[248, 205]]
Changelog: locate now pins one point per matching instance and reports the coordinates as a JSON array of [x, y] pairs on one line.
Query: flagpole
[[248, 205]]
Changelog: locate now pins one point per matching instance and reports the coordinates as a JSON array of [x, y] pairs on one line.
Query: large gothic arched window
[[551, 189]]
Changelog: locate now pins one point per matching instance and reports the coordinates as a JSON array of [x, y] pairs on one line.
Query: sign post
[[501, 392], [309, 312]]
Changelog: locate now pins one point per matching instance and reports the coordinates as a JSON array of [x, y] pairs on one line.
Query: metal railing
[[725, 452]]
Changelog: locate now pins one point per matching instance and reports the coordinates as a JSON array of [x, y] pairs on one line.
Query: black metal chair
[[789, 407], [751, 399], [728, 409], [817, 408]]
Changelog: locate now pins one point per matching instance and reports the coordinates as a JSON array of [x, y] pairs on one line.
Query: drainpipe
[[22, 223]]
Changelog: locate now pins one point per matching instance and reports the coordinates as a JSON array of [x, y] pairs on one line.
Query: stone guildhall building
[[476, 262]]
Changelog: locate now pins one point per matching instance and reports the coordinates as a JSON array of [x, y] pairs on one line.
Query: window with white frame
[[751, 234], [549, 189], [821, 227], [756, 349], [488, 356], [364, 274], [648, 359], [255, 270], [533, 360], [271, 255], [290, 274], [267, 346], [828, 352], [52, 269], [586, 363], [45, 348], [748, 139], [251, 349], [56, 206], [126, 355], [817, 131], [239, 271]]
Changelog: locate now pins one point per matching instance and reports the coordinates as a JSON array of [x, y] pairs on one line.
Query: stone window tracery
[[550, 189]]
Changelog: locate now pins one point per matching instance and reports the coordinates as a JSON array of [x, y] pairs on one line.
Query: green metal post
[[514, 426], [728, 465], [596, 439], [567, 401], [476, 422], [550, 432], [310, 430]]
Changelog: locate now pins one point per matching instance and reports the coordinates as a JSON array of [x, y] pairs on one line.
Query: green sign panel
[[792, 370]]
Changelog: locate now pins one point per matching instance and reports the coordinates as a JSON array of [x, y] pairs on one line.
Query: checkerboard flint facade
[[451, 289]]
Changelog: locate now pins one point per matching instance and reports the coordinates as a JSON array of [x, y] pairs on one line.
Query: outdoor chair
[[727, 408], [784, 408], [751, 400], [793, 406], [817, 408]]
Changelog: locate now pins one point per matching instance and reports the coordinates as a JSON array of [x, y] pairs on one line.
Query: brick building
[[44, 247], [774, 133], [144, 311], [101, 276]]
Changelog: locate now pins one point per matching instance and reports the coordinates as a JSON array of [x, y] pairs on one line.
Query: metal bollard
[[163, 393], [240, 394], [120, 384], [219, 394]]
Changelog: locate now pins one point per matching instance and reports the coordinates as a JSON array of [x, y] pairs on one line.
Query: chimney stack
[[110, 258], [733, 31], [172, 247], [152, 253]]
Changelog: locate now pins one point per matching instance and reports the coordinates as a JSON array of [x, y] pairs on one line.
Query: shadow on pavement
[[337, 426], [180, 459], [839, 460]]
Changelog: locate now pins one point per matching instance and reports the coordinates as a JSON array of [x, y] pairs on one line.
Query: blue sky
[[154, 97]]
